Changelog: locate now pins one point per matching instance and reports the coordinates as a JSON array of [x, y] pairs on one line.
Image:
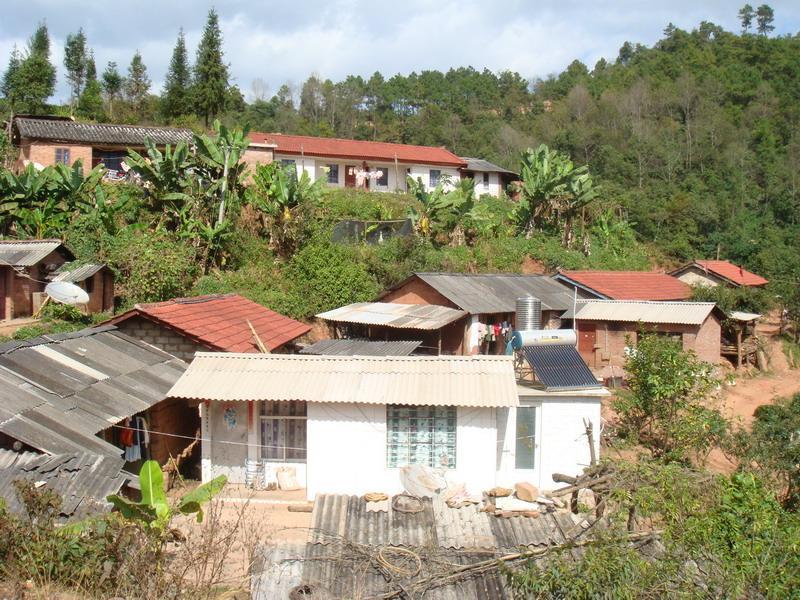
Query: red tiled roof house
[[717, 272], [377, 166], [217, 322], [624, 285]]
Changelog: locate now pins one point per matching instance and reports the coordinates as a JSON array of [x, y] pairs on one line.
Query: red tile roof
[[219, 321], [357, 150], [731, 272], [629, 285]]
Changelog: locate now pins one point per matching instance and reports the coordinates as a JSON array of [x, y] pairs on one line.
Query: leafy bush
[[151, 266], [729, 299]]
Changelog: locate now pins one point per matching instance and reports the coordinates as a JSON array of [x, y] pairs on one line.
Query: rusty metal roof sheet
[[26, 253], [645, 311], [98, 133], [358, 347], [58, 391], [81, 480], [401, 316], [483, 381]]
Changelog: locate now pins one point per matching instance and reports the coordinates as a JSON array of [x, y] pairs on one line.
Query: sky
[[269, 43]]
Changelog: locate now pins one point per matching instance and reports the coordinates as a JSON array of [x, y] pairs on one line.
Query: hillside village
[[262, 364]]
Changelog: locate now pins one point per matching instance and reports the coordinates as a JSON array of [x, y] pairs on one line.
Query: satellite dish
[[66, 292]]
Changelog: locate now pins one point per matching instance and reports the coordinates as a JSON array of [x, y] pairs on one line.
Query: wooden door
[[350, 176], [587, 340]]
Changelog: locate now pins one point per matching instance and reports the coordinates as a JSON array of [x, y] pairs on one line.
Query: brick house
[[624, 285], [49, 140], [25, 266], [607, 327], [217, 322], [488, 300], [717, 272]]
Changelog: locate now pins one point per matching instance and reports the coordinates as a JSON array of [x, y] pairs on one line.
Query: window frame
[[332, 168], [379, 183], [282, 420], [534, 445], [64, 159], [485, 180], [444, 416], [431, 178]]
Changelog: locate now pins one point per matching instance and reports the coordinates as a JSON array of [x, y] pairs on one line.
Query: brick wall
[[417, 291], [255, 155], [102, 295], [708, 340], [44, 153], [161, 337]]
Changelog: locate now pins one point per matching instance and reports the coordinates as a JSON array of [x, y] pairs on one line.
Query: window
[[433, 177], [486, 181], [525, 453], [333, 174], [283, 431], [62, 156], [288, 162], [421, 435], [383, 180]]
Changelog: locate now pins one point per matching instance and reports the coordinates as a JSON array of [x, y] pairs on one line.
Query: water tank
[[529, 314]]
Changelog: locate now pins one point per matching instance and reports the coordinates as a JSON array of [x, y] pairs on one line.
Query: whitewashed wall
[[695, 276], [495, 187], [561, 444], [227, 452]]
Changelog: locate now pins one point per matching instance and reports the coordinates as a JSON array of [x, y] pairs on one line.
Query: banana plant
[[165, 175], [76, 190], [154, 509]]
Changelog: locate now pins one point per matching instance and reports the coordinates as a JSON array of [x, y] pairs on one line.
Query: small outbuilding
[[607, 327], [489, 178], [717, 272], [218, 322], [96, 280]]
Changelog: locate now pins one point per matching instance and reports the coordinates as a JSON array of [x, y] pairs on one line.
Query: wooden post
[[738, 347], [590, 436]]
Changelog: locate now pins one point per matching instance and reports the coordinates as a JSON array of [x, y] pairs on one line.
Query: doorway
[[350, 176], [587, 340]]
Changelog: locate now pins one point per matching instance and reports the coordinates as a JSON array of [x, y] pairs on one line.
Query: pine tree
[[36, 76], [10, 85], [90, 103], [746, 14], [75, 56], [210, 72], [112, 86], [137, 84], [176, 100], [764, 18]]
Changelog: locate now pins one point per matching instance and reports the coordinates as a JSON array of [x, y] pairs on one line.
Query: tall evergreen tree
[[764, 18], [90, 103], [746, 15], [36, 76], [137, 84], [10, 86], [176, 99], [75, 56], [112, 86], [210, 72]]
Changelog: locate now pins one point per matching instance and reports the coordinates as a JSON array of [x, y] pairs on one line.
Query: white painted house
[[349, 423], [376, 166], [488, 177]]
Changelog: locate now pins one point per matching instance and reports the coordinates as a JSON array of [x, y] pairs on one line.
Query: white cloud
[[279, 41]]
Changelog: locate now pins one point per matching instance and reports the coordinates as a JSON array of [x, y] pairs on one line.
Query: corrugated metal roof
[[560, 367], [738, 315], [58, 391], [26, 253], [479, 164], [81, 480], [401, 316], [220, 321], [492, 294], [99, 133], [361, 348], [76, 274], [683, 313], [438, 533], [483, 381]]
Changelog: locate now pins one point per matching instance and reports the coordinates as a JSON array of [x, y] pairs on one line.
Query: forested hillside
[[694, 142]]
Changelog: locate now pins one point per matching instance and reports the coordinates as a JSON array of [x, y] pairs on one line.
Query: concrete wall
[[44, 153], [161, 337], [696, 276], [227, 451], [495, 185], [561, 445]]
